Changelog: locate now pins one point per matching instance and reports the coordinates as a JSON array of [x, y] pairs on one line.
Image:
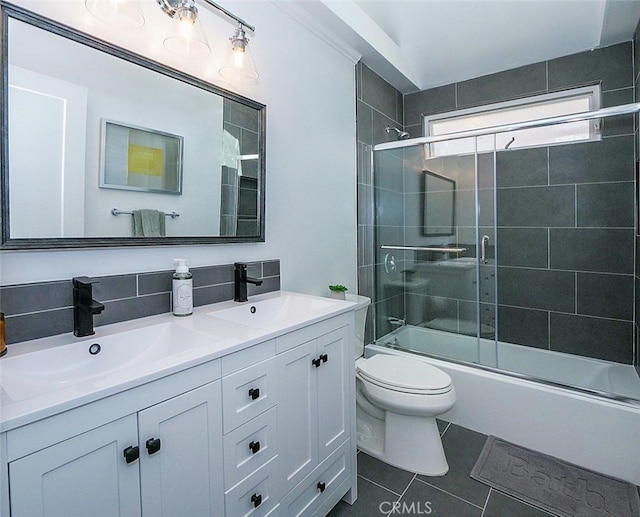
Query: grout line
[[446, 428], [415, 476], [381, 486], [448, 493], [486, 502], [52, 309]]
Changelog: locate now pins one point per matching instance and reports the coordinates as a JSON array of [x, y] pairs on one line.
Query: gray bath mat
[[552, 484]]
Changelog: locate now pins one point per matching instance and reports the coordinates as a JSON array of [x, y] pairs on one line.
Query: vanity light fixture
[[239, 65], [123, 14], [189, 40], [187, 37]]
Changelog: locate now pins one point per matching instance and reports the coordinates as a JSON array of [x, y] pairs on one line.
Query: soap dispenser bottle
[[182, 289]]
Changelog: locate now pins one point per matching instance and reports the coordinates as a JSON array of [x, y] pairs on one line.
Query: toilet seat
[[405, 375]]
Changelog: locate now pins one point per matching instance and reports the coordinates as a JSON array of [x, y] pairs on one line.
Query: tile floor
[[454, 495]]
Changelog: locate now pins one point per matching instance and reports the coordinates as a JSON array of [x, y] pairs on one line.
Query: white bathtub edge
[[594, 433]]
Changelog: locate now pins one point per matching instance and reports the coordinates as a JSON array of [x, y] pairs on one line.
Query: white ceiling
[[419, 44]]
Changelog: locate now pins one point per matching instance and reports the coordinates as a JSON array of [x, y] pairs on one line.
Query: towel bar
[[419, 248], [115, 211]]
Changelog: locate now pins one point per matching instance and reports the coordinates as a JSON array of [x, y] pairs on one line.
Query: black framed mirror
[[102, 147], [438, 200]]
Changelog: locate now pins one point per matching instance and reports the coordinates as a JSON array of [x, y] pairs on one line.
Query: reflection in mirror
[[93, 128], [439, 205]]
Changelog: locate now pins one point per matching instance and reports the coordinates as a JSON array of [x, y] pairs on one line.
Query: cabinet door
[[181, 455], [84, 475], [297, 414], [334, 376]]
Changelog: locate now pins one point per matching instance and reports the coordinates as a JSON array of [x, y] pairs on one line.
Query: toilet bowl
[[406, 394], [397, 401]]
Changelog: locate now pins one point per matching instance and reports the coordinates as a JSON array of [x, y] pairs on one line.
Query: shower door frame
[[597, 114], [448, 302]]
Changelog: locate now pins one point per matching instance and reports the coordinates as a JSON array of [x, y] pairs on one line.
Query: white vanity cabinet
[[78, 475], [265, 428], [314, 415], [164, 460], [180, 464], [251, 453]]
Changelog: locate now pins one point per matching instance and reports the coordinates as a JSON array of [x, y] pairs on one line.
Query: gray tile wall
[[45, 309], [565, 250], [378, 105], [240, 194], [565, 214]]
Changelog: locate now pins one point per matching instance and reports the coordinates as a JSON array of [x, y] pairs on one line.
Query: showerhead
[[402, 135]]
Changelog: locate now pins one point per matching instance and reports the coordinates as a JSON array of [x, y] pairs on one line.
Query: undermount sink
[[95, 358], [273, 311]]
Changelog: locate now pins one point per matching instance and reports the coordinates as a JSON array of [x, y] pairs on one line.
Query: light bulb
[[185, 28], [187, 37], [239, 65], [238, 57]]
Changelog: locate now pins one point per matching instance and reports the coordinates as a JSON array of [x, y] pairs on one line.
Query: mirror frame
[[451, 228], [7, 243]]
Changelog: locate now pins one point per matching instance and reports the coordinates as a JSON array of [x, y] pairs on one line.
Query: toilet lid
[[402, 373]]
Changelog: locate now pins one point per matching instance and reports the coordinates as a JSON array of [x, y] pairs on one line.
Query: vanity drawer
[[256, 495], [250, 446], [248, 393], [319, 485]]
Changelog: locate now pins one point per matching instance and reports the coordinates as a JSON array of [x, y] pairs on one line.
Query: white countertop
[[25, 398]]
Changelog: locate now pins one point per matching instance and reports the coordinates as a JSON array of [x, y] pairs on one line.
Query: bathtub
[[568, 415]]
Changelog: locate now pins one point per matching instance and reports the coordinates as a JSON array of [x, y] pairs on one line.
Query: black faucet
[[84, 306], [240, 281]]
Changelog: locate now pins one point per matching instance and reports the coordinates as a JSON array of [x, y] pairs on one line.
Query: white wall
[[56, 145], [308, 88]]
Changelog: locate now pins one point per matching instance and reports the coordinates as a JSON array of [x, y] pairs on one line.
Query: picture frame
[[140, 159]]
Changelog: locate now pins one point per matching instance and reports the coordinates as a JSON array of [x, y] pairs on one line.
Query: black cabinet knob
[[322, 358], [153, 445], [131, 453], [321, 486], [254, 446], [256, 499], [254, 393]]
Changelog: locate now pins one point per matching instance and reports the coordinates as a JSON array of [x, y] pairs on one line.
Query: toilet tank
[[360, 319]]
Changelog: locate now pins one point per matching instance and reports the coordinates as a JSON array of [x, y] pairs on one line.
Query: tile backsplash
[[45, 309]]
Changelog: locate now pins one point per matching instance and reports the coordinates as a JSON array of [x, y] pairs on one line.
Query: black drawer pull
[[153, 445], [254, 393], [321, 486], [131, 453], [254, 446], [256, 499], [324, 358], [316, 362]]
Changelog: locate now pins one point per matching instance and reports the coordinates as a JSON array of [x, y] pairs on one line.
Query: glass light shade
[[122, 14], [187, 37], [238, 65]]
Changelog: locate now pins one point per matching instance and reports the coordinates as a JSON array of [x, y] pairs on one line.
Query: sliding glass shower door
[[435, 241]]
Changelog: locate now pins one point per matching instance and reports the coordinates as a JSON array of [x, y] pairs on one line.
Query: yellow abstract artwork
[[145, 160]]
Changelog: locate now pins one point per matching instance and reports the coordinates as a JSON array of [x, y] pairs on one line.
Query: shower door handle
[[483, 249]]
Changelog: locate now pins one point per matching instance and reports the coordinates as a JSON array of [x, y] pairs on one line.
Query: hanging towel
[[148, 223]]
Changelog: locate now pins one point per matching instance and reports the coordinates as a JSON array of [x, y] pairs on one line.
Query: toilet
[[397, 401]]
